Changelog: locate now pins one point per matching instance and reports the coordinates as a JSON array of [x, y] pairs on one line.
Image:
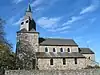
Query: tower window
[[46, 49], [51, 61], [75, 60], [64, 61], [22, 23], [61, 49], [68, 49], [27, 21], [54, 50]]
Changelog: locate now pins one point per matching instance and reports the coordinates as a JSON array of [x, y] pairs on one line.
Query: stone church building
[[49, 53]]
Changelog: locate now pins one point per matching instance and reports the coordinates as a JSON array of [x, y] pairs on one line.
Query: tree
[[2, 33], [7, 57]]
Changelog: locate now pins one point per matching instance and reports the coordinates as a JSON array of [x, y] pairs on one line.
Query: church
[[49, 53]]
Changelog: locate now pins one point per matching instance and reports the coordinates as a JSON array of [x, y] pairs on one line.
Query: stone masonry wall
[[44, 64], [27, 45], [90, 59], [53, 72], [92, 56], [32, 38]]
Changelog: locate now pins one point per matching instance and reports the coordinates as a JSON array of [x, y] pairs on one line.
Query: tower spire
[[29, 7], [28, 22]]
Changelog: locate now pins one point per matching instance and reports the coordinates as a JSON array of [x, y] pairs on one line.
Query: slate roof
[[25, 31], [59, 55], [85, 51], [22, 30], [57, 42], [29, 8]]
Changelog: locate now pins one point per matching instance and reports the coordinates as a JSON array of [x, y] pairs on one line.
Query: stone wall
[[65, 48], [90, 59], [27, 45], [32, 38], [44, 64], [45, 72], [90, 56]]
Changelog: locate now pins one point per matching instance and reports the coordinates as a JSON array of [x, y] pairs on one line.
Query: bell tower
[[28, 23], [27, 42]]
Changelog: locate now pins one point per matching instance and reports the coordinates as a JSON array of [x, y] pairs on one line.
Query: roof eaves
[[55, 45]]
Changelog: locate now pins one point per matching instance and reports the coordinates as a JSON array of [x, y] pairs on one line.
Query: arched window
[[89, 57], [27, 21], [46, 49], [54, 50], [68, 49], [61, 49], [22, 23]]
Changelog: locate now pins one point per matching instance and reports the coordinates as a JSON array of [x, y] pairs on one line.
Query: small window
[[61, 49], [89, 58], [68, 49], [33, 63], [46, 49], [64, 61], [27, 21], [75, 60], [22, 23], [26, 37], [51, 61], [54, 50]]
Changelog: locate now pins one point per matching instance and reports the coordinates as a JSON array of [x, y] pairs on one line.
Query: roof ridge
[[85, 48], [59, 38]]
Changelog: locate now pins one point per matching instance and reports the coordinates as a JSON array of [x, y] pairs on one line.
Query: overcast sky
[[76, 19]]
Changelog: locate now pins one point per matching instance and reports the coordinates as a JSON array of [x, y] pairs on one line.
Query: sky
[[74, 19]]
